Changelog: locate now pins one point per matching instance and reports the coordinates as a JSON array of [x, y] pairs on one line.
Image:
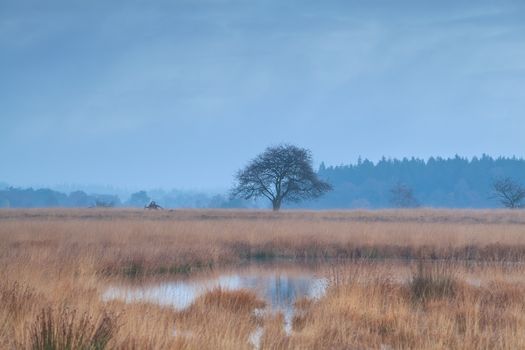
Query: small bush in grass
[[232, 300], [431, 282], [63, 330]]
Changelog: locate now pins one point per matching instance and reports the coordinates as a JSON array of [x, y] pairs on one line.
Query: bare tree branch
[[509, 192]]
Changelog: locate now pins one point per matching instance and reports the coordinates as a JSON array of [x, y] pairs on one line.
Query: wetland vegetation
[[392, 279]]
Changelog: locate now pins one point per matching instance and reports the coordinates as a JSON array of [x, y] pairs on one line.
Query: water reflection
[[278, 288]]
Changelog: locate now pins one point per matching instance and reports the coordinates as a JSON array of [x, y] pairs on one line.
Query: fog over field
[[181, 94]]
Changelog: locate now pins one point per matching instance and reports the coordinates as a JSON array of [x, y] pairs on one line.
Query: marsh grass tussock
[[220, 318], [433, 281], [64, 329]]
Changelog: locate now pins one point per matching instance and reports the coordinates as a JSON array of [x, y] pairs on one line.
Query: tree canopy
[[280, 173], [455, 182]]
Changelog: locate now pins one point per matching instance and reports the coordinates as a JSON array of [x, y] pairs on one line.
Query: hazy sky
[[180, 94]]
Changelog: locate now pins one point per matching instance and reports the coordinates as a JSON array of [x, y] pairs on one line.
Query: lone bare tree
[[280, 173], [509, 192], [402, 196]]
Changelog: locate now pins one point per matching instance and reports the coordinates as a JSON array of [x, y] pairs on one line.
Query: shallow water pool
[[279, 287]]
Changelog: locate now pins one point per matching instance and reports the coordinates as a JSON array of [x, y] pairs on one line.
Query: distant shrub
[[104, 204]]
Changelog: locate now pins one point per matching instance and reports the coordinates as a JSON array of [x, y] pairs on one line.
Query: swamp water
[[278, 285]]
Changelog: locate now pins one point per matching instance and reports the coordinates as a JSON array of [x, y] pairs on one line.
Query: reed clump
[[237, 301], [64, 329], [433, 281], [220, 319]]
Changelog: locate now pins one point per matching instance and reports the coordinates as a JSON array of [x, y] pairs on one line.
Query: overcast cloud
[[180, 94]]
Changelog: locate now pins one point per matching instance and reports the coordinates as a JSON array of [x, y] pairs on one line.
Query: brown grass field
[[465, 287]]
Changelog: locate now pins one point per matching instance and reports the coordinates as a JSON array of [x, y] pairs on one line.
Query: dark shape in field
[[153, 206]]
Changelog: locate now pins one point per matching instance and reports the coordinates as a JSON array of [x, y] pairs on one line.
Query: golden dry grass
[[63, 259]]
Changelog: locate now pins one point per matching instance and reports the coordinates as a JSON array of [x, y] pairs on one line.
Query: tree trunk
[[276, 204]]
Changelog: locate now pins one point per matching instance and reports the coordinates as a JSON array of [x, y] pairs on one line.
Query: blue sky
[[180, 94]]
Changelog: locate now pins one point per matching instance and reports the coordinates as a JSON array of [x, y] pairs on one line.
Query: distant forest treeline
[[437, 182], [43, 198]]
